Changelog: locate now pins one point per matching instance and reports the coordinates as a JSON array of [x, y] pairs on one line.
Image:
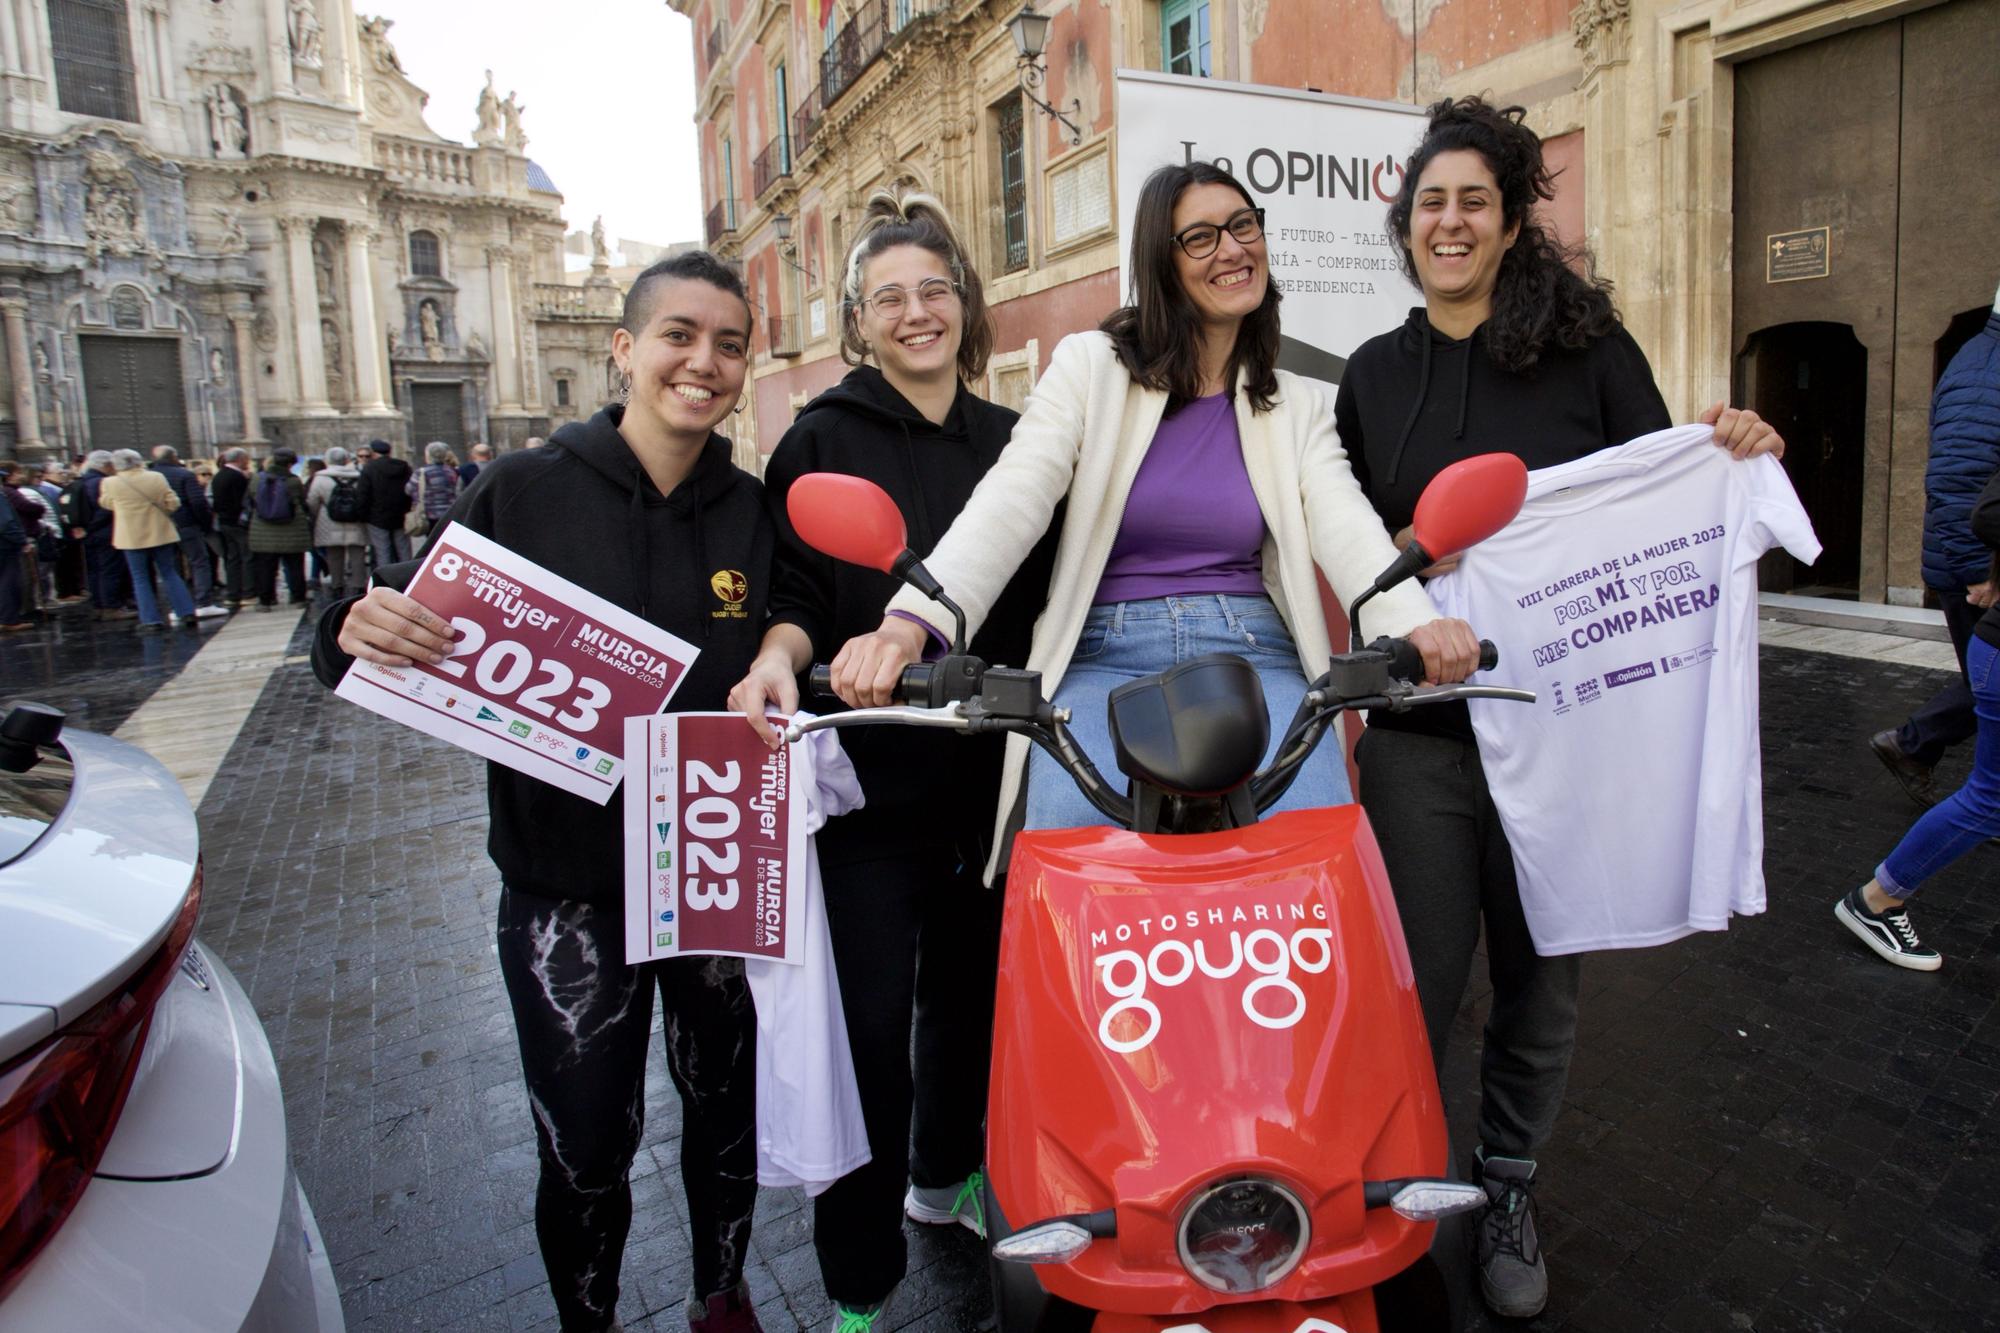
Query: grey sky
[[607, 88]]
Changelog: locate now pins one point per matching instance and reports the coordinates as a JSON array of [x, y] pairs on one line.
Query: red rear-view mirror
[[1468, 502], [848, 518]]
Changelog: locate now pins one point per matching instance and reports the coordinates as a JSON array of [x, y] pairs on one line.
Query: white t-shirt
[[1625, 596], [809, 1127]]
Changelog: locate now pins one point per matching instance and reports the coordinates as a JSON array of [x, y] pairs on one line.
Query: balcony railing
[[429, 166], [560, 300], [721, 221], [770, 166], [783, 335], [805, 121], [857, 46], [718, 37]]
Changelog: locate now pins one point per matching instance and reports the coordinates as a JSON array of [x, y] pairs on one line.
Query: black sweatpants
[[1451, 867], [915, 937], [582, 1017]]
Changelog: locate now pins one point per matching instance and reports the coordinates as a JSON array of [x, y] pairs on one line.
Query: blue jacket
[[1965, 453]]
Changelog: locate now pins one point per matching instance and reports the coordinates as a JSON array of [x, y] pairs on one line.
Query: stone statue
[[488, 135], [329, 341], [233, 241], [218, 373], [17, 205], [510, 111], [427, 320], [599, 253], [42, 371], [323, 271], [475, 345], [228, 128], [375, 41], [395, 344], [110, 207], [302, 26]]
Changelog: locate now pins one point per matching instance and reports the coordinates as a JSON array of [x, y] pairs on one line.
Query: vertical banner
[[1324, 170], [714, 840]]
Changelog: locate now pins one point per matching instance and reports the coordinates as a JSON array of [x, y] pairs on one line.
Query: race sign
[[715, 844], [544, 674]]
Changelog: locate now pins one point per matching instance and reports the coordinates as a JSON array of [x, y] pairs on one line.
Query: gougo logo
[[1274, 956]]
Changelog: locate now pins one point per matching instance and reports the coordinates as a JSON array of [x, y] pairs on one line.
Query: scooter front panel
[[1178, 1010]]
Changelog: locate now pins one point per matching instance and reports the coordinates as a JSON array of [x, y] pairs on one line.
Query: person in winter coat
[[15, 543], [676, 534], [142, 505], [1878, 911], [192, 521], [434, 489], [90, 523], [1511, 351], [229, 498], [36, 515], [383, 478], [280, 530], [335, 492], [913, 930], [1965, 455]]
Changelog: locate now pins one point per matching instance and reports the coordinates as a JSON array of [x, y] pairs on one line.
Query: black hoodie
[[584, 509], [1414, 401], [922, 787]]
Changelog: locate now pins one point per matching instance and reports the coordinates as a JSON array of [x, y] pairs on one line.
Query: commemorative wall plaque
[[1793, 256]]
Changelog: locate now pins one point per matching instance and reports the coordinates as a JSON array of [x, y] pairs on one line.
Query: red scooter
[[1213, 1108]]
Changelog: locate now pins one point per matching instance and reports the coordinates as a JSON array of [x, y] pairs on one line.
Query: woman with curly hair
[[1516, 348]]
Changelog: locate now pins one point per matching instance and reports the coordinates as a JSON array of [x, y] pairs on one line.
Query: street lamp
[[1031, 35], [781, 223]]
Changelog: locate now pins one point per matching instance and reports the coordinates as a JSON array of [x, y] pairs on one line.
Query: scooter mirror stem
[[911, 571]]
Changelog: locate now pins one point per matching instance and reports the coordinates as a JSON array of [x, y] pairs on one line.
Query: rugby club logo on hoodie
[[732, 588]]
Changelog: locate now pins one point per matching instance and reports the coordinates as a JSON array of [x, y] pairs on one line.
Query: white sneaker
[[947, 1205], [210, 612]]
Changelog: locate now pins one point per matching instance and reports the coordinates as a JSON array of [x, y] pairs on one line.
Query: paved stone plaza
[[1766, 1130]]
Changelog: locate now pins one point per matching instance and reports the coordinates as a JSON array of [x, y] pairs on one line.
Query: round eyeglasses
[[1200, 240], [889, 303]]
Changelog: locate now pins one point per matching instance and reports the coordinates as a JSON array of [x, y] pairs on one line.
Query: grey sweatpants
[[1450, 866]]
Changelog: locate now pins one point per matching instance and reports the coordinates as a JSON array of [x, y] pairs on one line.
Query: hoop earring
[[625, 390], [737, 410]]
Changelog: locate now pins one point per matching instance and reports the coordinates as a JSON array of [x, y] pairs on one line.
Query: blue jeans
[[1970, 815], [1123, 641], [161, 558], [390, 545]]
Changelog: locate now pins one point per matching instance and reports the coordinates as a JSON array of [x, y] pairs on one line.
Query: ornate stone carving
[[112, 222], [375, 45], [293, 226], [329, 341], [218, 370], [1256, 13], [428, 322], [233, 241], [1603, 31], [600, 255], [475, 346], [17, 206], [323, 277], [222, 58], [228, 123], [489, 133], [302, 27], [510, 112], [1410, 16], [319, 131], [128, 308], [264, 330]]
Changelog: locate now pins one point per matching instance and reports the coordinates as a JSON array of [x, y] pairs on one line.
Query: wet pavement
[[1767, 1130]]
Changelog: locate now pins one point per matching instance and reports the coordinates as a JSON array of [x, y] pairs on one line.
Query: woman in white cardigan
[[1203, 484]]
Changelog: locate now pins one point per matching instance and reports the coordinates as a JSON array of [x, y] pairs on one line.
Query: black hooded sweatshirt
[[584, 509], [1414, 401], [923, 788]]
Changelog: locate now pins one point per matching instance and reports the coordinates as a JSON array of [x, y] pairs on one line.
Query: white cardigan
[[1083, 433]]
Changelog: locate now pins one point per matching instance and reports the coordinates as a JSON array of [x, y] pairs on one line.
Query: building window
[[1013, 186], [1184, 37], [424, 255], [781, 94], [562, 393], [728, 186], [93, 54]]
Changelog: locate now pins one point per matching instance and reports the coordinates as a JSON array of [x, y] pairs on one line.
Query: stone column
[[243, 320], [305, 315], [10, 39], [1603, 34], [506, 357], [278, 46], [27, 415], [367, 353]]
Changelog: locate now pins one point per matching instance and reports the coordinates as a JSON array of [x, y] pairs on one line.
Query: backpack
[[344, 505], [274, 498], [73, 505]]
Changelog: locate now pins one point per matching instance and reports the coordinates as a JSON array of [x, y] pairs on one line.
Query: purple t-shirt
[[1191, 524]]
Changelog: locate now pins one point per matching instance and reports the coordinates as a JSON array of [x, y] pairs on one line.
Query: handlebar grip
[[914, 688], [1489, 656], [1406, 663], [820, 680]]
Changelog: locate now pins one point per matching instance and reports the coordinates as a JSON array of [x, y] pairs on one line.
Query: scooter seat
[[1199, 728]]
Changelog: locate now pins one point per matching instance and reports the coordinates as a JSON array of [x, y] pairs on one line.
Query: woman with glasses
[[1203, 485], [913, 931]]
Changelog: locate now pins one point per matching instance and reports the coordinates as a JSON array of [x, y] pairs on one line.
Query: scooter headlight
[[1243, 1235]]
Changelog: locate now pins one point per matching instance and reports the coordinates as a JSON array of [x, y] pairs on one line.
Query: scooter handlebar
[[914, 688], [1406, 663]]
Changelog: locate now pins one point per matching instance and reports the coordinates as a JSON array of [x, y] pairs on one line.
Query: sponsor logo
[[451, 701], [663, 861], [1589, 691], [1200, 944], [667, 917], [1627, 675], [1693, 657], [604, 766], [521, 729], [488, 715], [732, 588], [664, 829], [1556, 692], [582, 752], [663, 939]]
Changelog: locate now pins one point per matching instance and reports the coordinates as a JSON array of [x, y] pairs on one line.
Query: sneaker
[[209, 612], [947, 1204], [1915, 776], [861, 1318], [1512, 1276], [150, 627], [1887, 933], [724, 1312]]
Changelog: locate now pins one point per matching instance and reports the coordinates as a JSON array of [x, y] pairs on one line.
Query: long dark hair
[[1538, 299], [915, 219], [1158, 335]]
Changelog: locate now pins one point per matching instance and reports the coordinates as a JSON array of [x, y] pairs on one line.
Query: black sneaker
[[1887, 933], [1512, 1276]]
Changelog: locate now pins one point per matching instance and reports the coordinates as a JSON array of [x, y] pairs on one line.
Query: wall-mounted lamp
[[781, 223], [1031, 35]]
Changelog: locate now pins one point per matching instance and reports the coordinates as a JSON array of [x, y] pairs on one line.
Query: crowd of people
[[114, 534], [1166, 492]]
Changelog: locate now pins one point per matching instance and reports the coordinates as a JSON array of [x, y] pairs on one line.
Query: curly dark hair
[[1158, 336], [1538, 298]]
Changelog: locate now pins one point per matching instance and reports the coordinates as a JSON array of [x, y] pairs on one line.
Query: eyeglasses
[[889, 302], [1200, 240]]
